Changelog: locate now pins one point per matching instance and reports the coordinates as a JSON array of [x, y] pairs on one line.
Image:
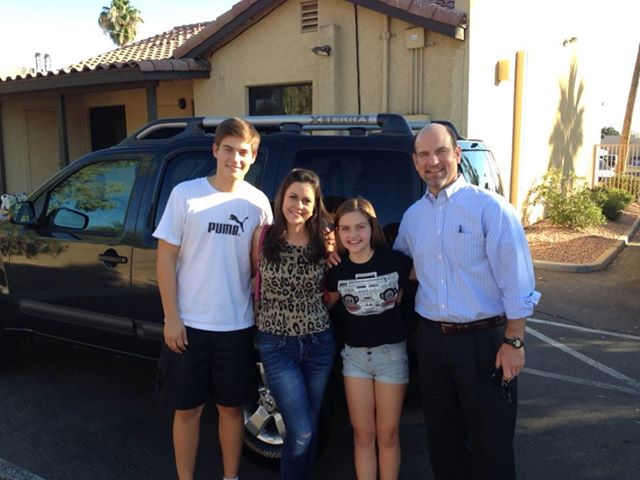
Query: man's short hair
[[452, 134], [237, 127]]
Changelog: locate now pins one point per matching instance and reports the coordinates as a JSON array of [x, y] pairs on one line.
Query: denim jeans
[[297, 370]]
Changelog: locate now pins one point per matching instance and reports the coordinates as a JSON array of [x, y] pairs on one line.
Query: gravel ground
[[566, 245]]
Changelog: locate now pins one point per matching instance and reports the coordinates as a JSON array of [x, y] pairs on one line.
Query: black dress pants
[[470, 419]]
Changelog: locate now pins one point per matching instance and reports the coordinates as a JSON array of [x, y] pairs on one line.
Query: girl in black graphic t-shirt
[[375, 365]]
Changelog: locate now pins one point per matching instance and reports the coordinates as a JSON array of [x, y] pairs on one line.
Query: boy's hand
[[175, 336]]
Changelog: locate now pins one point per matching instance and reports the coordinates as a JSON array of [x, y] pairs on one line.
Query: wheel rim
[[264, 421]]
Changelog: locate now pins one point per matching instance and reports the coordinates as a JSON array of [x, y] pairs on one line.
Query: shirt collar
[[449, 191]]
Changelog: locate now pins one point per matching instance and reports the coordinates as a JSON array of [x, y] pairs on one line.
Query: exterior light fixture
[[322, 50]]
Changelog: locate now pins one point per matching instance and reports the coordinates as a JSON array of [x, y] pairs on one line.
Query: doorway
[[108, 126]]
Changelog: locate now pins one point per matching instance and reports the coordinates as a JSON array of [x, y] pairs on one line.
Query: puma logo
[[233, 218]]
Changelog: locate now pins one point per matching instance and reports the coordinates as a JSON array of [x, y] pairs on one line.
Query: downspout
[[355, 11], [3, 175], [385, 63], [516, 140]]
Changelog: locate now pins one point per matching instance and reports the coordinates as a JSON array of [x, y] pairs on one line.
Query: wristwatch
[[515, 342]]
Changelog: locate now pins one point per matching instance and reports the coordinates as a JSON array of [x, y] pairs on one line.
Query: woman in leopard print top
[[294, 335]]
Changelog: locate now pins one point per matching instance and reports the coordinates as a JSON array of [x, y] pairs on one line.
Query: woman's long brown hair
[[316, 225]]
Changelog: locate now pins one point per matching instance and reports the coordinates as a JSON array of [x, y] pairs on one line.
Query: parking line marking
[[8, 471], [581, 381], [584, 329], [583, 358]]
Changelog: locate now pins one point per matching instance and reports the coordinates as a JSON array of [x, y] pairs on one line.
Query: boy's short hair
[[237, 127]]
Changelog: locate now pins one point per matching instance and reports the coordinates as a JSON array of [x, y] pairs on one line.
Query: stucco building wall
[[260, 57], [18, 139]]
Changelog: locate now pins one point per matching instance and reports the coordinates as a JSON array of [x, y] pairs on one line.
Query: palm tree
[[119, 21]]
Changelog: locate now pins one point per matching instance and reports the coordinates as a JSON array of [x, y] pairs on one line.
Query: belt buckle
[[445, 327]]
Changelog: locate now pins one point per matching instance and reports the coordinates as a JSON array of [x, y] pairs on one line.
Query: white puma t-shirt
[[214, 231]]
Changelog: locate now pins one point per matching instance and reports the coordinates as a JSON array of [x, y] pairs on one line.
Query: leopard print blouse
[[291, 294]]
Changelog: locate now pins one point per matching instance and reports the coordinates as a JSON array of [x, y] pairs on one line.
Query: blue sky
[[68, 29]]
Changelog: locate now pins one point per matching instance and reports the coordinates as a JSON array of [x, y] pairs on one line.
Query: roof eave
[[93, 78], [252, 15], [457, 32]]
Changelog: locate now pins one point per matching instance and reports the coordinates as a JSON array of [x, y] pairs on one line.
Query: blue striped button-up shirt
[[470, 254]]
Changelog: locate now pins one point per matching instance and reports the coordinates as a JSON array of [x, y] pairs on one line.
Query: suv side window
[[477, 169], [101, 191], [189, 165], [386, 178]]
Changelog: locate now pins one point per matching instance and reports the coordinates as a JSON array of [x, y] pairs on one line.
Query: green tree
[[604, 131], [120, 21]]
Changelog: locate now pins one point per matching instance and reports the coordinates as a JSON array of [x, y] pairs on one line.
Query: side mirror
[[23, 213], [67, 218]]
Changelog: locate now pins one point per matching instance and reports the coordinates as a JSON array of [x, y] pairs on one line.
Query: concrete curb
[[602, 262]]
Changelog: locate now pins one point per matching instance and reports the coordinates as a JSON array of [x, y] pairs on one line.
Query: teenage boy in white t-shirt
[[204, 280]]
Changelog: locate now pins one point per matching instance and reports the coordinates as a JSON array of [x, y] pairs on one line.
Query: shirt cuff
[[521, 307]]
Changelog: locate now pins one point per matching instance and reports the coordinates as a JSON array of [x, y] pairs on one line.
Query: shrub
[[567, 201], [612, 201], [624, 181]]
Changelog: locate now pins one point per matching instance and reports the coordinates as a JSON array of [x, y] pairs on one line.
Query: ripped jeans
[[297, 370]]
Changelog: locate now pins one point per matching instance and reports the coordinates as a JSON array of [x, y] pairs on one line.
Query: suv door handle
[[111, 258]]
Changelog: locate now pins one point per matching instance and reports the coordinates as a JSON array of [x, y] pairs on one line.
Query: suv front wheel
[[264, 426]]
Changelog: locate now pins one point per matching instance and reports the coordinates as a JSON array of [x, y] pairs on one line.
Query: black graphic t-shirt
[[369, 292]]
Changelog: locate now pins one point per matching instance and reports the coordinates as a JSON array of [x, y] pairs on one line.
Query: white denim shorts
[[387, 363]]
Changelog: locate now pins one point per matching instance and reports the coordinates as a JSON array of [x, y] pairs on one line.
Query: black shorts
[[218, 366]]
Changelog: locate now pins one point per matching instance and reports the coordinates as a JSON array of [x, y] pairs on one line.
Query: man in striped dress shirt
[[476, 288]]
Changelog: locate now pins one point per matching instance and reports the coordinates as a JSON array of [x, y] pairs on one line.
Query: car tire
[[265, 429]]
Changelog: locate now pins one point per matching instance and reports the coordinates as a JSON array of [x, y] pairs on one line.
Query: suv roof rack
[[164, 129], [385, 123]]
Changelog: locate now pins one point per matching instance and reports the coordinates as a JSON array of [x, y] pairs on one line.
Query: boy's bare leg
[[230, 432], [186, 435]]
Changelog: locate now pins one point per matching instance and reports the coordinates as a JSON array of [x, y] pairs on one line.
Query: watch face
[[514, 342]]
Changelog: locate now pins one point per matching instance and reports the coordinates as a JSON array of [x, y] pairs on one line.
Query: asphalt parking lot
[[74, 413]]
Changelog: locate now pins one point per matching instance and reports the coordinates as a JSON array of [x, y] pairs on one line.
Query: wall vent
[[309, 16]]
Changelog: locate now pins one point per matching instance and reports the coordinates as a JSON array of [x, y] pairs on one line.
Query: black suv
[[77, 261]]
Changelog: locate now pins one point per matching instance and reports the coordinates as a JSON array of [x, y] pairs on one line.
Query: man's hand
[[175, 336], [511, 360]]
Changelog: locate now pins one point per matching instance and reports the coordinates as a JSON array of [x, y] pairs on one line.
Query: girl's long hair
[[364, 207], [316, 225]]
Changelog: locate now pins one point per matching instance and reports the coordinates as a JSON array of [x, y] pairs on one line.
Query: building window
[[309, 16], [294, 99]]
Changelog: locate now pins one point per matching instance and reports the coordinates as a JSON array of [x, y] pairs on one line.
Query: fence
[[610, 170]]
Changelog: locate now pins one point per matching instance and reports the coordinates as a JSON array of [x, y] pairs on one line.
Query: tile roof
[[217, 25], [150, 54], [441, 11]]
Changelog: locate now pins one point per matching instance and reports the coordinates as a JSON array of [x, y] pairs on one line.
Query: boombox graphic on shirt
[[369, 293]]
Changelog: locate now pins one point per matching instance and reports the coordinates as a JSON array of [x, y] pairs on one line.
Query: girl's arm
[[412, 274], [330, 298], [255, 250]]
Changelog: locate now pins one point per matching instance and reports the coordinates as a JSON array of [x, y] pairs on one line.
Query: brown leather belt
[[484, 324]]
